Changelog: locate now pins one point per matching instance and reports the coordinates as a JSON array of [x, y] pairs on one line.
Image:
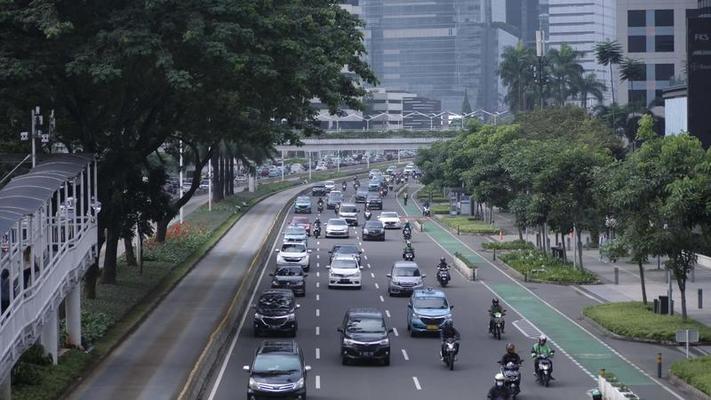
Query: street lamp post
[[180, 179], [36, 132], [540, 52]]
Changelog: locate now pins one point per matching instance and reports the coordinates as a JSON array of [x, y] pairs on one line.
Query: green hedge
[[440, 208], [696, 372], [465, 260], [544, 268], [634, 319], [510, 245], [469, 225]]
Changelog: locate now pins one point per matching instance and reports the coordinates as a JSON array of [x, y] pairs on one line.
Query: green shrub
[[542, 267], [510, 245], [469, 225], [696, 372], [36, 355], [634, 319], [465, 260], [94, 325], [440, 208], [24, 374]]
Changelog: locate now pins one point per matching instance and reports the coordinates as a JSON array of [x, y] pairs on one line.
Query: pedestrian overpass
[[48, 238], [360, 144]]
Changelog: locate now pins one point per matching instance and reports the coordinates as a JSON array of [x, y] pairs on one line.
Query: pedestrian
[[404, 196]]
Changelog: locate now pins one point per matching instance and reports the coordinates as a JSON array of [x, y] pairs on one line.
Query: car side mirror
[[424, 276], [307, 368], [451, 307], [389, 275], [308, 250], [361, 267], [360, 251], [328, 266], [277, 250], [409, 306], [245, 368], [390, 331], [339, 330], [330, 252]]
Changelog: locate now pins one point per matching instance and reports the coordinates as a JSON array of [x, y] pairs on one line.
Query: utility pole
[[180, 179], [540, 52], [36, 132]]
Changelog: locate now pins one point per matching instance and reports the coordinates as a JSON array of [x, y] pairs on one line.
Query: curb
[[682, 384], [463, 268]]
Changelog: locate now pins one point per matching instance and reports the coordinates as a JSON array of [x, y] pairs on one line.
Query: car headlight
[[299, 384], [291, 317], [257, 316], [348, 342], [365, 231], [253, 384], [384, 342]]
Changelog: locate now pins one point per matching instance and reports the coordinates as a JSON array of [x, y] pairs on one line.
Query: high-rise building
[[653, 32], [524, 15], [705, 8], [582, 24]]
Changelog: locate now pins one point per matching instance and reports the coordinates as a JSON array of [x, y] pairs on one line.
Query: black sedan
[[364, 336], [373, 230], [290, 277]]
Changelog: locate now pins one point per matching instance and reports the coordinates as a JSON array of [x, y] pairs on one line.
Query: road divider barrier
[[462, 265], [611, 389]]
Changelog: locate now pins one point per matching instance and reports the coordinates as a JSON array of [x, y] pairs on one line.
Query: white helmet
[[542, 339]]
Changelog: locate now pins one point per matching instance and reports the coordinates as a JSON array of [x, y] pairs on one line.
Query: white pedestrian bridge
[[361, 144], [48, 238]]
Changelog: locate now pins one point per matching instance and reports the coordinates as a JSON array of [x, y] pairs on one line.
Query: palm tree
[[609, 53], [564, 71], [589, 86], [632, 70], [516, 72]]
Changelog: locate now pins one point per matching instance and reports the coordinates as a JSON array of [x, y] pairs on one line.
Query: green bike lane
[[587, 351]]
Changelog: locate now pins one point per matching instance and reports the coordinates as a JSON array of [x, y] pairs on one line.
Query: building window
[[638, 97], [637, 44], [664, 43], [636, 18], [664, 18], [663, 72]]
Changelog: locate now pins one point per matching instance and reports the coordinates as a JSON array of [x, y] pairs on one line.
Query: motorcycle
[[344, 186], [356, 185], [317, 232], [408, 255], [367, 214], [450, 351], [407, 234], [320, 207], [443, 276], [426, 211], [497, 325], [513, 378], [545, 368]]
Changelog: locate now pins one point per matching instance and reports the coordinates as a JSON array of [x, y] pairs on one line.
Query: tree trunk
[[232, 177], [565, 250], [579, 244], [162, 228], [90, 278], [216, 179], [641, 280], [520, 233], [612, 85], [681, 282], [108, 276], [130, 255]]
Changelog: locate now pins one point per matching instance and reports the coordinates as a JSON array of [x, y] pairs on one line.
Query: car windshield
[[275, 301], [337, 222], [344, 264], [293, 248], [295, 230], [389, 215], [358, 324], [406, 271], [289, 271], [349, 209], [371, 198], [345, 249], [303, 199], [373, 225], [300, 220], [437, 303], [276, 363]]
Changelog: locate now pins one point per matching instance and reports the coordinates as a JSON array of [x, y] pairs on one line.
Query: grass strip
[[508, 245], [696, 372], [635, 320], [464, 224], [540, 267]]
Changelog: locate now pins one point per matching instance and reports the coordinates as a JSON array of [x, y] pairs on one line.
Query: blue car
[[427, 310]]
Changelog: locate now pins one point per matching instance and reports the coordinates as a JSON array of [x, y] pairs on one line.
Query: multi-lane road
[[416, 371]]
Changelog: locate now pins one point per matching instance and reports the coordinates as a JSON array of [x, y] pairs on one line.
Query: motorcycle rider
[[442, 264], [539, 349], [404, 197], [510, 355], [406, 228], [408, 249], [499, 391], [495, 308], [317, 227], [448, 331], [344, 186]]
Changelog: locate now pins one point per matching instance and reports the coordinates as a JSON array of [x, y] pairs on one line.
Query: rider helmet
[[511, 348], [542, 339], [499, 378], [495, 302], [441, 259]]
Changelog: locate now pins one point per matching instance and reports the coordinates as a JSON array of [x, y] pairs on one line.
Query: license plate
[[344, 281], [432, 327], [367, 354]]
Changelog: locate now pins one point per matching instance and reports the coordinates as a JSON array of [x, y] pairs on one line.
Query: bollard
[[494, 254], [457, 229], [701, 298], [693, 275], [617, 276], [422, 226], [659, 365], [525, 276]]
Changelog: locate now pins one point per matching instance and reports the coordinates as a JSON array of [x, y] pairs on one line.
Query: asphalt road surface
[[415, 371]]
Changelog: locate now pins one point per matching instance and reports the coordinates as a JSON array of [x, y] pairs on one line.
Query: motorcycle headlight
[[253, 384], [365, 231], [299, 384]]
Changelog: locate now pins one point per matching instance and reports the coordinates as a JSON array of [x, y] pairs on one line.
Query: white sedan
[[390, 220], [337, 227]]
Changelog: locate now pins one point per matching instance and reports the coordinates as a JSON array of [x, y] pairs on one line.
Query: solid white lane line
[[404, 355], [318, 381], [387, 312], [318, 274], [376, 285], [318, 353], [318, 284], [318, 330], [395, 332], [591, 297], [318, 312], [417, 383], [318, 297], [382, 300], [372, 275]]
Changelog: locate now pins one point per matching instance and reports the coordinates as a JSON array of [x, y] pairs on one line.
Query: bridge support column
[[72, 305], [50, 336], [5, 387]]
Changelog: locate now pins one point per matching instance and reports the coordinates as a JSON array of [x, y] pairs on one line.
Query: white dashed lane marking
[[376, 285], [318, 312], [318, 381], [318, 353], [318, 330], [387, 312], [417, 383], [395, 332], [404, 355]]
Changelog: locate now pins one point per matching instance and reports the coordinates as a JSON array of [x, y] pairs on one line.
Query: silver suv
[[404, 277]]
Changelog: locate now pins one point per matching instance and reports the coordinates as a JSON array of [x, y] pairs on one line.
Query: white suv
[[294, 253], [344, 271]]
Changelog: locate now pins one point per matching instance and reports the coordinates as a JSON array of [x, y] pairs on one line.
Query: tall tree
[[517, 73], [609, 53], [632, 70], [589, 86], [564, 70]]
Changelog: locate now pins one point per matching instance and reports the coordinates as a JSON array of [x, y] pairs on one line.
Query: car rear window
[[289, 271], [406, 271], [373, 224], [293, 248]]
